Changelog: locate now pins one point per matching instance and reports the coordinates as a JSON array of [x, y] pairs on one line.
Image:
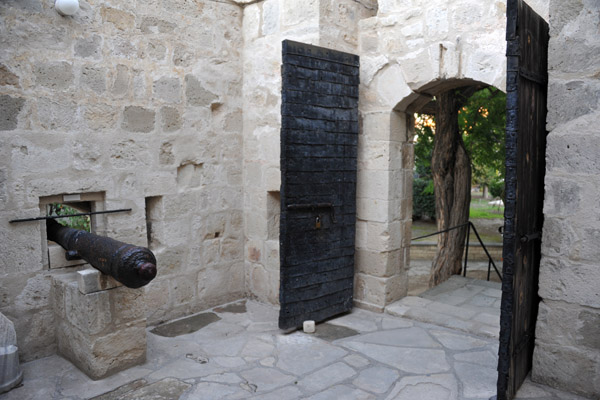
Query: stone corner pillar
[[384, 204]]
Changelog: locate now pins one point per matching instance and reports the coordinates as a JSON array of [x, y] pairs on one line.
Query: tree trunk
[[451, 169]]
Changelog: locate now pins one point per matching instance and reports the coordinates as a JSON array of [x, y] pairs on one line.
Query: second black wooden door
[[527, 77]]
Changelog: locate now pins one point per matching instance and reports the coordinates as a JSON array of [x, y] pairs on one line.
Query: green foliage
[[423, 198], [79, 222], [497, 188], [423, 150], [482, 121]]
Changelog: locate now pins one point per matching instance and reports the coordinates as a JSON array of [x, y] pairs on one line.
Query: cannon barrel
[[131, 265]]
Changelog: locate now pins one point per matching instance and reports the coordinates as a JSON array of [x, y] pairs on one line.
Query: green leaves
[[482, 121], [79, 222]]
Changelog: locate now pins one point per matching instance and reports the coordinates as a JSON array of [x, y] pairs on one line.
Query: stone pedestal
[[100, 324]]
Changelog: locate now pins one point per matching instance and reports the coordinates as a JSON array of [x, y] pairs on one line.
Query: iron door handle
[[531, 236], [313, 207]]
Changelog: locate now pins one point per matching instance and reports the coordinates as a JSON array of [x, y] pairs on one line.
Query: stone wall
[[140, 102], [567, 351]]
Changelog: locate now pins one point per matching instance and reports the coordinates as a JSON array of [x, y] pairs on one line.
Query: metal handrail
[[491, 262]]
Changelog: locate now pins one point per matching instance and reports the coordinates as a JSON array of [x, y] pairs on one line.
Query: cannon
[[131, 265]]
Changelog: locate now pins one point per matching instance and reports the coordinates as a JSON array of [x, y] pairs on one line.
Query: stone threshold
[[464, 304]]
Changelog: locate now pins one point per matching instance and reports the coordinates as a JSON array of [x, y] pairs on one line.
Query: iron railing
[[491, 262]]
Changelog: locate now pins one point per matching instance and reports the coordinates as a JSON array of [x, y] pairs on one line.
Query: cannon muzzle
[[131, 265]]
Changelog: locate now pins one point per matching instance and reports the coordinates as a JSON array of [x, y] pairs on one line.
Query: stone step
[[465, 304]]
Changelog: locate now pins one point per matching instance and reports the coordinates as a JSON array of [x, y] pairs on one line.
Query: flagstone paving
[[243, 355], [464, 304]]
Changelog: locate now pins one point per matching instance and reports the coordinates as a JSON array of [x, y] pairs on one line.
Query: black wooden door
[[319, 137], [527, 82]]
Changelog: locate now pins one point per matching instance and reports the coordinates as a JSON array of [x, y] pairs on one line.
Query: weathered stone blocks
[[93, 78], [168, 89], [138, 119], [571, 281], [156, 25], [56, 75], [374, 293], [121, 81], [570, 368], [171, 121], [196, 94], [7, 77], [89, 47], [101, 332], [121, 20], [10, 107], [573, 146], [567, 352]]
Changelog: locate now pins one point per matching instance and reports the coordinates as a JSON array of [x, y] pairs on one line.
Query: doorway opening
[[481, 125]]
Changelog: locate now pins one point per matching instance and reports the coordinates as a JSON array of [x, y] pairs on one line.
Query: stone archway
[[404, 60]]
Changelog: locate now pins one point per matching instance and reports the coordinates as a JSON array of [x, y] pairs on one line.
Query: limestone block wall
[[410, 50], [328, 23], [567, 350], [140, 102]]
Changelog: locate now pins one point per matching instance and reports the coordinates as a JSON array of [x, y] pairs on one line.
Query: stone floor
[[239, 353], [465, 304]]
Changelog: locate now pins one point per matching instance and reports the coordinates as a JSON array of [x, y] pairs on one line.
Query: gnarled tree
[[451, 168]]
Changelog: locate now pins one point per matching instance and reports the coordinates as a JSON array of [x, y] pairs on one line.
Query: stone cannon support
[[100, 324]]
